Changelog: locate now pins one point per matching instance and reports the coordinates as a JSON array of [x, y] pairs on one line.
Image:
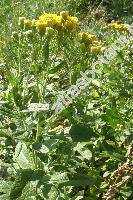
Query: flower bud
[[20, 35], [27, 24], [95, 94], [28, 33], [49, 31], [21, 21], [64, 14], [82, 47], [14, 35], [102, 50], [33, 22], [95, 49]]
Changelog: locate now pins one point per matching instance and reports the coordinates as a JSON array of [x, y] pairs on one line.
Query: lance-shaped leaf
[[21, 181], [22, 156]]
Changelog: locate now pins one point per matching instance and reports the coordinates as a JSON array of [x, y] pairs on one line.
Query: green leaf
[[21, 181], [53, 193], [5, 133], [22, 156], [80, 133], [37, 175], [113, 117], [17, 96], [79, 180], [5, 186], [84, 152], [126, 191], [46, 146], [58, 66]]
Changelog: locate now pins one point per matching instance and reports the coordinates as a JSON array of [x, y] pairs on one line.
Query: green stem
[[19, 57]]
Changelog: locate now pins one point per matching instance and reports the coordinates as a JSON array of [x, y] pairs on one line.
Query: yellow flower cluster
[[56, 129], [89, 42], [62, 21], [97, 49], [86, 38], [115, 26], [71, 23], [48, 22]]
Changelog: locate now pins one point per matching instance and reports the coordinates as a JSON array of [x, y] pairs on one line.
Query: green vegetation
[[58, 142]]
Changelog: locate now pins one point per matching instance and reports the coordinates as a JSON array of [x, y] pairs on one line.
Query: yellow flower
[[102, 50], [41, 26], [82, 36], [56, 129], [95, 94], [57, 22], [91, 37], [96, 43], [47, 16], [62, 21], [121, 27], [52, 20], [71, 22], [96, 49], [86, 37]]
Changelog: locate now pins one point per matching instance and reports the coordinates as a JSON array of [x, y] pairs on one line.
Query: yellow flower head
[[82, 36], [96, 43], [91, 37], [40, 26], [51, 20], [85, 37], [47, 16], [56, 129], [121, 27], [71, 22], [116, 26], [102, 50], [97, 49], [57, 22]]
